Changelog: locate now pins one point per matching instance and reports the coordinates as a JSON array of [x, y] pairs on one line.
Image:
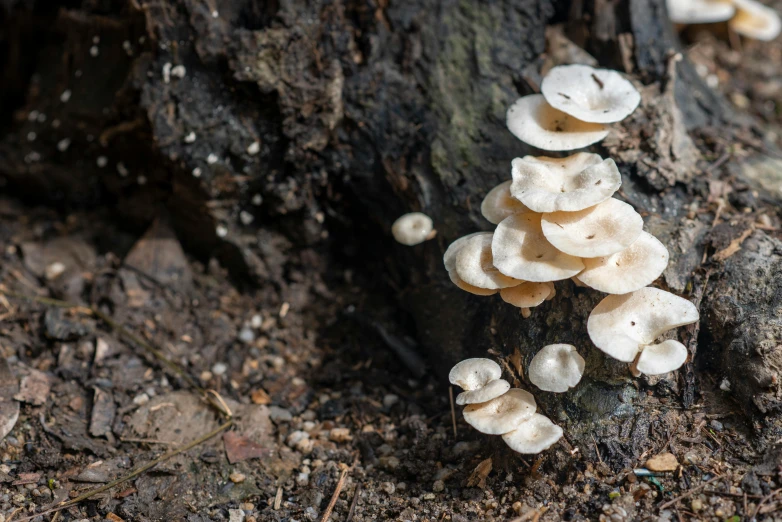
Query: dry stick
[[353, 504], [335, 496], [136, 472], [763, 501], [453, 410], [690, 492]]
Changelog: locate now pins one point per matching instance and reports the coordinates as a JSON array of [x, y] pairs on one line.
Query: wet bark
[[323, 121]]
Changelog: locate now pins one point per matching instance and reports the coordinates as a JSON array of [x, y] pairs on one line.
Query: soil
[[318, 365]]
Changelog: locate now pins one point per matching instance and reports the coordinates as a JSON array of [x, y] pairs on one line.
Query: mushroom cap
[[483, 292], [520, 250], [621, 324], [499, 204], [527, 295], [589, 94], [501, 415], [412, 229], [569, 184], [449, 257], [532, 120], [755, 20], [473, 374], [474, 265], [492, 390], [661, 358], [556, 368], [602, 230], [534, 435], [699, 11], [628, 270]]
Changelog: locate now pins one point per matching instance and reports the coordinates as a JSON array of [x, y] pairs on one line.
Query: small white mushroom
[[532, 120], [449, 260], [755, 20], [556, 368], [597, 231], [527, 295], [628, 270], [473, 374], [623, 325], [534, 435], [503, 414], [499, 204], [474, 265], [491, 390], [520, 250], [456, 280], [699, 11], [589, 94], [564, 184], [661, 358], [413, 228]]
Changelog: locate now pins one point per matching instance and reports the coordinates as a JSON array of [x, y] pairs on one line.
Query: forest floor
[[322, 408]]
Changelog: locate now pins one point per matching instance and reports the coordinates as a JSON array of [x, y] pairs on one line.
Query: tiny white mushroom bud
[[556, 368], [532, 120], [534, 435], [589, 94], [503, 414], [412, 229], [499, 204]]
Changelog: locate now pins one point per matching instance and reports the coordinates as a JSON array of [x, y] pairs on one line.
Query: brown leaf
[[479, 474], [239, 448], [734, 245], [26, 478], [35, 388], [259, 396]]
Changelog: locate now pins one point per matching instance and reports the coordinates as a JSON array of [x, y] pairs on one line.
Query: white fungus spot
[[167, 72], [63, 144], [197, 172], [191, 137], [215, 14], [94, 51], [178, 71], [212, 158], [253, 148], [121, 169], [257, 200], [102, 161], [96, 39], [31, 136], [65, 96], [221, 231], [412, 228], [32, 116], [245, 217], [142, 180]]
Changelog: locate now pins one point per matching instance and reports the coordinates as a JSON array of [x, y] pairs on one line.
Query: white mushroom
[[474, 265], [661, 358], [449, 260], [556, 368], [755, 20], [623, 325], [699, 11], [483, 292], [413, 228], [628, 270], [597, 231], [527, 295], [573, 183], [520, 250], [501, 415], [534, 435], [473, 374], [589, 94], [532, 120], [499, 204], [491, 390]]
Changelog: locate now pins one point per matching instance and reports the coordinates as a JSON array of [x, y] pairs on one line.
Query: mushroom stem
[[633, 366], [526, 312]]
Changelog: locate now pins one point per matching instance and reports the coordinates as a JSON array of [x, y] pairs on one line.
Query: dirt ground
[[326, 414]]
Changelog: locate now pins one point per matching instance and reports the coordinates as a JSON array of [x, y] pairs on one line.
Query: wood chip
[[734, 246], [662, 462], [259, 396], [478, 477]]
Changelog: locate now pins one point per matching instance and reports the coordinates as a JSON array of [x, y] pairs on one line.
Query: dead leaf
[[663, 462], [259, 396], [158, 254], [26, 478], [734, 245], [239, 448], [9, 408], [479, 474], [35, 388]]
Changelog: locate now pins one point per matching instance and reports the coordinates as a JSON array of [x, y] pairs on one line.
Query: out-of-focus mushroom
[[474, 265], [589, 94], [533, 435], [699, 11], [527, 295], [564, 184], [624, 325], [628, 270], [532, 120], [503, 414], [413, 228], [520, 250], [597, 231], [499, 204], [755, 20], [556, 368]]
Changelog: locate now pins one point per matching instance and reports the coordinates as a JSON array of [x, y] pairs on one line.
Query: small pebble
[[254, 148], [696, 505], [237, 478], [716, 425], [438, 486], [141, 399], [340, 435], [388, 487], [390, 399], [235, 515], [219, 368], [246, 335]]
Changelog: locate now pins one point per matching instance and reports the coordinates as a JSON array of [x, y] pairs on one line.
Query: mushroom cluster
[[575, 104], [492, 407], [748, 18]]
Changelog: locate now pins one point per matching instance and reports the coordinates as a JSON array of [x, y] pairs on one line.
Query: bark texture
[[325, 120]]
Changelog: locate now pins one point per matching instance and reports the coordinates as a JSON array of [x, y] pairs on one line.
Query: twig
[[597, 450], [689, 493], [763, 501], [453, 410], [278, 498], [354, 503], [337, 491], [136, 472]]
